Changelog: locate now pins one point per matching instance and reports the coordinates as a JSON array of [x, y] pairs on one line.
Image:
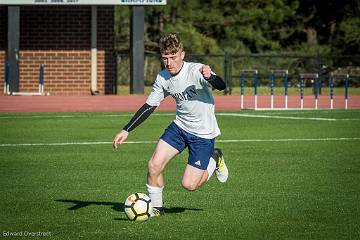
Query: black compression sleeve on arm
[[141, 115], [217, 82]]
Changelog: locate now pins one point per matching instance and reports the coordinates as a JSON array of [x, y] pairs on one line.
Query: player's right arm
[[156, 96], [120, 138]]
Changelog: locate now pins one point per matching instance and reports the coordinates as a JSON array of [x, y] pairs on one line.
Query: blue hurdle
[[333, 77], [346, 91], [273, 74], [7, 83], [41, 79], [7, 79], [315, 78], [243, 74]]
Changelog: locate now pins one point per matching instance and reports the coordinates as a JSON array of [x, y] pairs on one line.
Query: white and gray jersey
[[195, 110]]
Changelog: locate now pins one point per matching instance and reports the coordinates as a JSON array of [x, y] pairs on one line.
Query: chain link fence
[[230, 66]]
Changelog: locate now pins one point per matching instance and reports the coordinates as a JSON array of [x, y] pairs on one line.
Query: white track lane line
[[153, 142]]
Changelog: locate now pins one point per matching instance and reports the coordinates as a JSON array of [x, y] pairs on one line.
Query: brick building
[[60, 37]]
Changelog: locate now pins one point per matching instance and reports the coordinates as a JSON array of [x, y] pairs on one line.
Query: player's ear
[[182, 55]]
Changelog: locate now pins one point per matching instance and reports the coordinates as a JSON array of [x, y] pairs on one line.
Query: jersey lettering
[[188, 94]]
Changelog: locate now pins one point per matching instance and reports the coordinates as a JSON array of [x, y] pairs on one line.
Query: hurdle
[[7, 79], [281, 73], [315, 78], [40, 91], [243, 74], [345, 77]]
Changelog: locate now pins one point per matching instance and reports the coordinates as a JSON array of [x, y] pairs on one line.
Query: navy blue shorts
[[200, 149]]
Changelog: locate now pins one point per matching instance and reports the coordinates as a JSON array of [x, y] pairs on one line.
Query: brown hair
[[170, 44]]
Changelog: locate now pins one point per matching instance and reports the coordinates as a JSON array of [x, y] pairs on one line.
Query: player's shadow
[[119, 207], [77, 204]]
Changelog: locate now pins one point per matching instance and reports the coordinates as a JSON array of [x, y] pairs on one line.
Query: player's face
[[173, 62]]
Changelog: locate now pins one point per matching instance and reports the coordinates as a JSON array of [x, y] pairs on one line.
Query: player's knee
[[154, 167], [190, 186]]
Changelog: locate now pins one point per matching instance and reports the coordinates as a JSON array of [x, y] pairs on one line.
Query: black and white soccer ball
[[138, 207]]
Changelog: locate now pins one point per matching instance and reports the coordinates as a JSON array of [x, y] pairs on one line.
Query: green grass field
[[293, 175]]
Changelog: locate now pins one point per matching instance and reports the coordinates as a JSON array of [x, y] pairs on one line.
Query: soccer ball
[[137, 207]]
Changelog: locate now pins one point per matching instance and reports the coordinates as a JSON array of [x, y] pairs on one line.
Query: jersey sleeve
[[140, 116], [217, 82], [157, 93]]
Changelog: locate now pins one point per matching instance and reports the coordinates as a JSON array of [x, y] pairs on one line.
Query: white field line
[[69, 143], [153, 142], [284, 117], [288, 140], [80, 116], [269, 116]]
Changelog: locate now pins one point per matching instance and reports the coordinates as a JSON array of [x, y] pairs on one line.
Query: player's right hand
[[120, 138]]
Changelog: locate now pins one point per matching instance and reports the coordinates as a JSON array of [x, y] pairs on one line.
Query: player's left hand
[[205, 71]]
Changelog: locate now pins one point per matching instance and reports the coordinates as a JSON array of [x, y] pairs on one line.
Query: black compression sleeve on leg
[[217, 82], [141, 115]]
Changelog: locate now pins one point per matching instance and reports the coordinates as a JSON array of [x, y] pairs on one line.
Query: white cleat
[[222, 172], [157, 212]]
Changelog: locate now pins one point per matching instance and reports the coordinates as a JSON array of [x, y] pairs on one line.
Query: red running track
[[113, 103]]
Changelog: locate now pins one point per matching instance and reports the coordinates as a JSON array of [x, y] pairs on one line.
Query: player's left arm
[[214, 80]]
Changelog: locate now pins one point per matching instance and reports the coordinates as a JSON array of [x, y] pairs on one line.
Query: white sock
[[155, 194], [211, 167]]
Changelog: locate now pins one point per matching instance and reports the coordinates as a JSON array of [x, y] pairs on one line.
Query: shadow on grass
[[119, 207], [77, 204]]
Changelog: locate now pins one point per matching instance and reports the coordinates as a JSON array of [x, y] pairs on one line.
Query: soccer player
[[194, 127]]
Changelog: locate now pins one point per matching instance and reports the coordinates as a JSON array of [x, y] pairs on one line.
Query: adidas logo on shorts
[[198, 163]]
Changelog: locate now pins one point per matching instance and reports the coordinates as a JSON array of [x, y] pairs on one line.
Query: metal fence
[[230, 66]]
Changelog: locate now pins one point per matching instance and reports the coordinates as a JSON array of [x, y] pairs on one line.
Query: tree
[[244, 26], [332, 26], [122, 28]]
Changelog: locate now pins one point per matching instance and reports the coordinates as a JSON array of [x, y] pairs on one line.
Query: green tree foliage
[[329, 27], [122, 28], [245, 26], [349, 36]]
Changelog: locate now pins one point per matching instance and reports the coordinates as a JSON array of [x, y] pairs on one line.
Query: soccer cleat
[[222, 172], [157, 212]]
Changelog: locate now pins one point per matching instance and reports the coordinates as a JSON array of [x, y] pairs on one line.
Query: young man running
[[194, 127]]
